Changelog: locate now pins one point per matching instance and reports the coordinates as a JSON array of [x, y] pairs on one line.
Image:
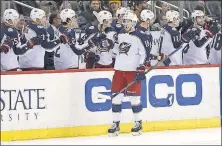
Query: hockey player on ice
[[66, 56], [34, 59], [197, 51], [117, 23], [11, 41], [129, 65], [103, 42]]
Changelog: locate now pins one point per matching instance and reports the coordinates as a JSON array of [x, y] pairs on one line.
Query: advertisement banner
[[67, 102], [192, 93]]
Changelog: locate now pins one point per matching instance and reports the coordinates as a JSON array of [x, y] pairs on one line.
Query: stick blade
[[95, 13]]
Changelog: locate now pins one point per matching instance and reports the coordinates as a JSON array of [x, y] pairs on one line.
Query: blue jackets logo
[[157, 91]]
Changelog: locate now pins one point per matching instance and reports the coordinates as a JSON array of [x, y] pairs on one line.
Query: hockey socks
[[136, 109]]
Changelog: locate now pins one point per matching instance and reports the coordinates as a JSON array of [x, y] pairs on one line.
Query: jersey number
[[217, 43], [43, 37], [176, 41], [148, 44], [56, 53], [15, 41]]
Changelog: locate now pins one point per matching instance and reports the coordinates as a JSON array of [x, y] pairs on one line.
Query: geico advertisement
[[21, 104], [163, 89]]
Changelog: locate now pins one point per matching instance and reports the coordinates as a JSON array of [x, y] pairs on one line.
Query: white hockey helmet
[[129, 20], [121, 11], [103, 15], [130, 15], [67, 14], [171, 15], [37, 14], [197, 13], [10, 14], [147, 14]]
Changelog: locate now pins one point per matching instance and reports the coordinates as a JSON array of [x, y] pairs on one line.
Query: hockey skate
[[114, 129], [137, 129]]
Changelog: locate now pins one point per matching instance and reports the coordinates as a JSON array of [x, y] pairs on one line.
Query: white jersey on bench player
[[197, 51]]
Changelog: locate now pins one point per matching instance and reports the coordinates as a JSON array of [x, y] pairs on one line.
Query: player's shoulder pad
[[171, 31], [37, 28], [63, 30], [91, 29], [139, 33], [196, 30], [11, 32]]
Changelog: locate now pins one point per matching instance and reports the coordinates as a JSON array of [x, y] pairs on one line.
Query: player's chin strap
[[147, 71]]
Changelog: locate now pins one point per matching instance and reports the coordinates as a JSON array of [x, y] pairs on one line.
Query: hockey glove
[[80, 41], [166, 61], [4, 48], [209, 34], [191, 34], [90, 43], [23, 39], [96, 58], [195, 31], [140, 73], [90, 56], [9, 42], [161, 56], [214, 27], [98, 39], [63, 39], [32, 42], [94, 41], [102, 36], [105, 44]]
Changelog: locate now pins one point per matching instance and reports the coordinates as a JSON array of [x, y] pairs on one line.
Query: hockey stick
[[131, 83], [101, 24]]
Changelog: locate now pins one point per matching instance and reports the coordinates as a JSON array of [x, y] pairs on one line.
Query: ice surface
[[179, 137]]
